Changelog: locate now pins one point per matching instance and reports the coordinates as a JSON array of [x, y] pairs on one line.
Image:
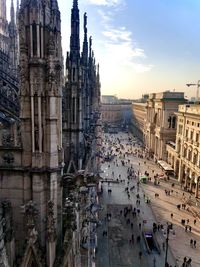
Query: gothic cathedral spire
[[75, 32], [85, 42]]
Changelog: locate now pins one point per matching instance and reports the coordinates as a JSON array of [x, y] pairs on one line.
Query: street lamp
[[195, 84], [167, 241]]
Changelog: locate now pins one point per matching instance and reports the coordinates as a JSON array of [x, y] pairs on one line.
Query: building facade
[[139, 111], [160, 123], [184, 155]]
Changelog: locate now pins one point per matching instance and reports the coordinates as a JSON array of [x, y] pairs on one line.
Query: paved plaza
[[115, 245]]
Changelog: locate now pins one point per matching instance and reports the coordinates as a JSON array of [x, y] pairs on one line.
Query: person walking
[[172, 215], [195, 243], [154, 262], [191, 242], [140, 255]]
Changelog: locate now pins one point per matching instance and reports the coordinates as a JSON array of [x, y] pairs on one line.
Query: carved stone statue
[[51, 230]]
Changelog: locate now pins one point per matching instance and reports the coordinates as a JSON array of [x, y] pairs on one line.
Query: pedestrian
[[140, 255], [190, 229], [138, 211], [189, 262], [140, 226], [188, 221], [195, 221], [195, 243], [186, 228], [154, 262], [191, 242], [172, 215]]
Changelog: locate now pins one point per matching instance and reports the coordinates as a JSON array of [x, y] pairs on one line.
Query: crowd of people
[[118, 154]]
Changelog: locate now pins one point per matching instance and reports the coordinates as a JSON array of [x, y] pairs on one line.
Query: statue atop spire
[[85, 22], [12, 12], [75, 32], [85, 41], [75, 4], [90, 46]]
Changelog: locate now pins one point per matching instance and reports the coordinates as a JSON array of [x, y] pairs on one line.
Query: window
[[195, 159], [191, 135], [197, 137], [189, 155], [185, 152], [180, 129], [169, 122], [173, 122], [186, 133], [34, 36]]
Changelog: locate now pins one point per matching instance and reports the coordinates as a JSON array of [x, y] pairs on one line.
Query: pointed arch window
[[34, 38]]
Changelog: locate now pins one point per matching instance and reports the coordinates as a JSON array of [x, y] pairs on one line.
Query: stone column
[[186, 180], [191, 183], [197, 188], [51, 235], [180, 173]]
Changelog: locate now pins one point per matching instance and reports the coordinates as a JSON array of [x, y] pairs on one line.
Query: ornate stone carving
[[7, 208], [30, 216], [8, 158], [3, 255], [7, 139], [51, 230]]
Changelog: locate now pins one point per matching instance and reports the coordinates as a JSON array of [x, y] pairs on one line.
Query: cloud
[[108, 3], [106, 17], [119, 45], [123, 51]]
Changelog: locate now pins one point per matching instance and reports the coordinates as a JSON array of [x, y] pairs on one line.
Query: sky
[[142, 46]]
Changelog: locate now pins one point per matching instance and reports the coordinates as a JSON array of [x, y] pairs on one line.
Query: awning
[[165, 165]]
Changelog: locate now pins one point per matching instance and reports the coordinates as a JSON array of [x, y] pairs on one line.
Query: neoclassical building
[[184, 155], [160, 123], [139, 111]]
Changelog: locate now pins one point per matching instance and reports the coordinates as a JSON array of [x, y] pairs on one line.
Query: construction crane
[[197, 93]]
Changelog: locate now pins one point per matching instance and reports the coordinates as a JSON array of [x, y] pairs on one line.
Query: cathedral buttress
[[40, 99], [73, 128]]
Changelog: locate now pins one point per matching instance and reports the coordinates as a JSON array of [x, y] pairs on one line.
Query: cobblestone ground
[[115, 250]]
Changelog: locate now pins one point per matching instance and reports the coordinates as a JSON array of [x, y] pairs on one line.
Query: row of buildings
[[48, 137], [169, 127]]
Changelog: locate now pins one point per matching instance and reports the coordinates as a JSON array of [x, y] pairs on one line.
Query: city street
[[121, 239]]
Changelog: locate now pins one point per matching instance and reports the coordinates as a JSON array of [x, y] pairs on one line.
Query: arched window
[[169, 122], [190, 154], [185, 152], [34, 38], [174, 122], [195, 156]]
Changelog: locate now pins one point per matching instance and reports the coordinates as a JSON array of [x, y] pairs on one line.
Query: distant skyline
[[142, 46]]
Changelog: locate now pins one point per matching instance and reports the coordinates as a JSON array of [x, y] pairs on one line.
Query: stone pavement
[[115, 250]]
